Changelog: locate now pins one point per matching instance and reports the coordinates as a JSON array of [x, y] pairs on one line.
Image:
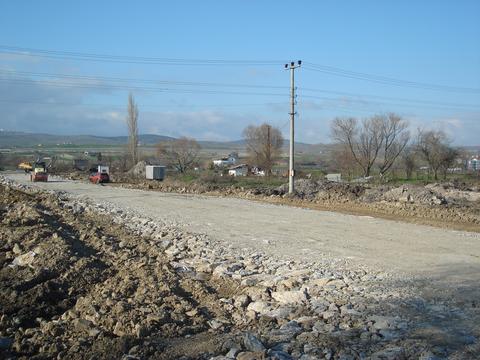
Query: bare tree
[[395, 138], [122, 161], [345, 162], [448, 160], [181, 153], [409, 161], [381, 138], [363, 140], [435, 149], [264, 144], [132, 123]]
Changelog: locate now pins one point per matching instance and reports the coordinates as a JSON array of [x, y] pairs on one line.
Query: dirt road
[[423, 251]]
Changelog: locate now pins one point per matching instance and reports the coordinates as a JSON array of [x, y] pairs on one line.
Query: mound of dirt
[[138, 170], [74, 287], [309, 190], [407, 194], [455, 192], [339, 191]]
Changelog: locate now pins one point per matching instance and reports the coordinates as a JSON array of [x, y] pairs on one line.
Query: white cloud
[[20, 58], [39, 108]]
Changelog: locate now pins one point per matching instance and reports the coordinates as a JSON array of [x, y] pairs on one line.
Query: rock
[[192, 313], [251, 355], [320, 282], [260, 307], [141, 331], [318, 305], [24, 260], [388, 335], [290, 297], [283, 346], [241, 301], [391, 353], [328, 314], [252, 343], [308, 357], [283, 312], [279, 355], [232, 353], [382, 322], [292, 328], [16, 249], [93, 332], [428, 355], [217, 323], [5, 343], [82, 325], [306, 321], [119, 329]]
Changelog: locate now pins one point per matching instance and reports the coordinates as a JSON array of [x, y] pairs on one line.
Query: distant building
[[258, 171], [239, 170], [334, 177], [227, 161], [474, 164]]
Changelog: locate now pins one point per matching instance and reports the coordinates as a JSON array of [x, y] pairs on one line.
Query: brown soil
[[75, 285], [90, 289]]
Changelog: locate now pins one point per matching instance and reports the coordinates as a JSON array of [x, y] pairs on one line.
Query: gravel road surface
[[427, 252]]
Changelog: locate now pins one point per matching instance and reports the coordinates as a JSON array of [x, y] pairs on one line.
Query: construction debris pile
[[81, 280], [138, 170]]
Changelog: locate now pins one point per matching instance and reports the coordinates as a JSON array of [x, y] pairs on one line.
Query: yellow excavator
[[26, 166]]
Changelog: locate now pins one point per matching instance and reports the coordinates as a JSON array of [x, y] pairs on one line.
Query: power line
[[208, 84], [370, 103], [100, 86], [139, 88], [71, 55], [149, 81], [56, 103], [59, 54], [390, 98], [386, 80]]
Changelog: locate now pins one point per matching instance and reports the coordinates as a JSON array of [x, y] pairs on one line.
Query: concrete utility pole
[[291, 164]]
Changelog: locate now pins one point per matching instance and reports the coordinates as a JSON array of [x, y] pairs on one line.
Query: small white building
[[227, 161], [258, 171], [239, 170], [334, 177], [473, 164]]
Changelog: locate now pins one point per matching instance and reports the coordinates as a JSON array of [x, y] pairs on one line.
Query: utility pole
[[268, 152], [291, 164]]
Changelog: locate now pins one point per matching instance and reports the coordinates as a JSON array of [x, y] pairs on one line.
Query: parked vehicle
[[39, 172], [26, 166], [99, 175]]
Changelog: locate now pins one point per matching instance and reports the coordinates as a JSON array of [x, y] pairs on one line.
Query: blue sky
[[427, 42]]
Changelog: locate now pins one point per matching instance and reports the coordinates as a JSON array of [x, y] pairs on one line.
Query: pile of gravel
[[408, 194], [139, 169], [309, 190]]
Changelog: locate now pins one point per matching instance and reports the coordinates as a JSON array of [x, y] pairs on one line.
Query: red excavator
[[99, 175], [39, 172]]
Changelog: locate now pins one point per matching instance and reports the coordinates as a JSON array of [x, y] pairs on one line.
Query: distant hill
[[21, 139], [9, 139]]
